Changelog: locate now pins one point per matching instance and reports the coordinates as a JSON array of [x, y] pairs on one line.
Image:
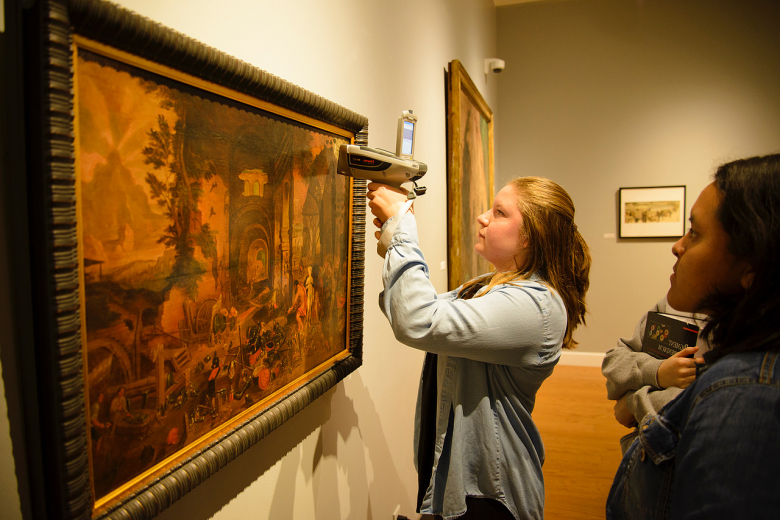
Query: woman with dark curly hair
[[713, 452]]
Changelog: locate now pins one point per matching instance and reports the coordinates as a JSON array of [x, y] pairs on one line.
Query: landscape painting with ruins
[[214, 247]]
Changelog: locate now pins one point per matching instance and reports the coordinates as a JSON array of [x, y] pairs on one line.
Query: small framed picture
[[657, 212]]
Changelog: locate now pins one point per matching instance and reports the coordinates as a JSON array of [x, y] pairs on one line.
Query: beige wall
[[597, 94], [349, 454], [603, 94]]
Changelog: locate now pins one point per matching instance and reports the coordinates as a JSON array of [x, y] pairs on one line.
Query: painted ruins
[[215, 249]]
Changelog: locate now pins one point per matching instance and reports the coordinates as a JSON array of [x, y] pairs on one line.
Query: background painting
[[470, 173], [215, 243], [657, 211]]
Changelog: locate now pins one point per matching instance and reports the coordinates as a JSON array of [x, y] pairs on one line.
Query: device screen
[[408, 138]]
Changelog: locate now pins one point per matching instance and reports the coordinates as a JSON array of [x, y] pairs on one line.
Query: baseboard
[[581, 359]]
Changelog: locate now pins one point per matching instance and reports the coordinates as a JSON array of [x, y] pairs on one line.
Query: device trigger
[[411, 195]]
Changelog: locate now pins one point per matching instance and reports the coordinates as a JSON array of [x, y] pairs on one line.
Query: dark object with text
[[667, 334]]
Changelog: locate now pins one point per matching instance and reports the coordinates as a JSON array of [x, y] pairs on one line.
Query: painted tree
[[177, 189]]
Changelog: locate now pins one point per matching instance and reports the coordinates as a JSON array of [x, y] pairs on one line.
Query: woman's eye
[[692, 233]]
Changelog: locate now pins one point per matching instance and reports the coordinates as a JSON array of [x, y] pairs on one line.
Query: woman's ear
[[522, 238], [524, 242], [747, 277]]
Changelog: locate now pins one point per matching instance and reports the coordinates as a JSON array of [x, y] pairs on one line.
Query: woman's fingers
[[687, 351]]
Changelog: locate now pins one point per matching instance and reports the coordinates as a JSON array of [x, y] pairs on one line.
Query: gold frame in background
[[470, 178]]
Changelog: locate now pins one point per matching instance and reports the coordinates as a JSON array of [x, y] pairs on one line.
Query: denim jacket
[[496, 349], [713, 453]]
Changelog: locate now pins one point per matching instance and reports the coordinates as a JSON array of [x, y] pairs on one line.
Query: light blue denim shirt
[[499, 349]]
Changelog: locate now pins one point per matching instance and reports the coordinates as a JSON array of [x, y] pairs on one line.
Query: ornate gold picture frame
[[469, 173]]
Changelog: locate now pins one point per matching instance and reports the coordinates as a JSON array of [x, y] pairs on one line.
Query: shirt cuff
[[406, 230]]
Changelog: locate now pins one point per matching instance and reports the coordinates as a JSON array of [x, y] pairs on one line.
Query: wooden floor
[[580, 437]]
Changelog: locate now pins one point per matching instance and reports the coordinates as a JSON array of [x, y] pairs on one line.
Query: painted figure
[[97, 428], [119, 408], [299, 304], [309, 283]]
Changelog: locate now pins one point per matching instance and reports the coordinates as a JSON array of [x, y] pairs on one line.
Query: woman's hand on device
[[385, 201]]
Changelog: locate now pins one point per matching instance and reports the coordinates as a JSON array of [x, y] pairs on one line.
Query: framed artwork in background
[[469, 173], [199, 263], [656, 211]]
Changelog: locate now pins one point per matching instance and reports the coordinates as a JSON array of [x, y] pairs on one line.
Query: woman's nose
[[483, 219], [677, 248]]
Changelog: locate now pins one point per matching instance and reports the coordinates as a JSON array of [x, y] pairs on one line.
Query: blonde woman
[[490, 344]]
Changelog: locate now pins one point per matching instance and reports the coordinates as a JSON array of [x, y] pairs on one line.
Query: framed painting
[[469, 173], [657, 212], [198, 263]]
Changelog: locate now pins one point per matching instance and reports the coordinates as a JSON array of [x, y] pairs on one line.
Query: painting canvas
[[215, 245], [470, 174], [652, 212], [196, 262]]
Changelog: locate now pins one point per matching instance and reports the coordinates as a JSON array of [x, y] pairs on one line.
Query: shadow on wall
[[207, 499], [374, 485], [338, 417]]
